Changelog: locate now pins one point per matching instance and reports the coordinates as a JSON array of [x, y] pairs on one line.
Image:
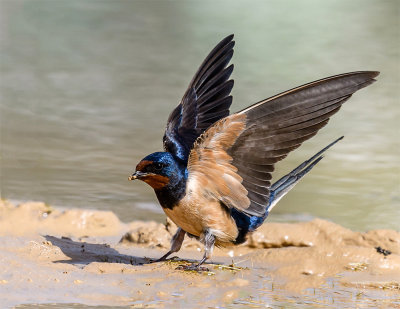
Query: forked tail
[[281, 187]]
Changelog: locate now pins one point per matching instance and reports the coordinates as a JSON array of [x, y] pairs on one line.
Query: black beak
[[136, 175]]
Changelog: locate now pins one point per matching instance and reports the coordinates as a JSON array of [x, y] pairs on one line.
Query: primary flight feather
[[214, 177]]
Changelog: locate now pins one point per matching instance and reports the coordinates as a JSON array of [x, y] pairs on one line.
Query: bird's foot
[[158, 260], [164, 259], [192, 267]]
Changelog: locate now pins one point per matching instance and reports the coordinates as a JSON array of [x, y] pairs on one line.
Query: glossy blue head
[[159, 170]]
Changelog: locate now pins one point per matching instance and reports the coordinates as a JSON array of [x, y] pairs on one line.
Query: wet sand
[[90, 257]]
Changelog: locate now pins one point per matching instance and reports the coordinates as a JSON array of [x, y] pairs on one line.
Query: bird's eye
[[158, 166]]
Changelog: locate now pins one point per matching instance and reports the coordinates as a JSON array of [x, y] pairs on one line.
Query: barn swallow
[[214, 178]]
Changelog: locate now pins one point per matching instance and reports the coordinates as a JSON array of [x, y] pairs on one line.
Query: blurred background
[[87, 86]]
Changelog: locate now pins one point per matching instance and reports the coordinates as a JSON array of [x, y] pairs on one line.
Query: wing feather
[[233, 160], [210, 165], [206, 100], [278, 125]]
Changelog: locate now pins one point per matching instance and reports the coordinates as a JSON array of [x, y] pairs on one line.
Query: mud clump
[[40, 218]]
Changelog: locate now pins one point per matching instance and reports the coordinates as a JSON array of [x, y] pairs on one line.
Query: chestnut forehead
[[143, 164]]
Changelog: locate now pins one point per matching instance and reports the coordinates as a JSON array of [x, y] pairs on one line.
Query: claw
[[163, 258]]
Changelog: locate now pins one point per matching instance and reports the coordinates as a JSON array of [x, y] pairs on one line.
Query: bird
[[213, 179]]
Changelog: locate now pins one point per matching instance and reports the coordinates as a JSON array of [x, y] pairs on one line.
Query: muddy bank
[[89, 257]]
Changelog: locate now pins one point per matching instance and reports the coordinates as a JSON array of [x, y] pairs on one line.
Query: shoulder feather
[[211, 173]]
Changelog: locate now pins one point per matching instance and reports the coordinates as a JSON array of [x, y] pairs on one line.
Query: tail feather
[[281, 187]]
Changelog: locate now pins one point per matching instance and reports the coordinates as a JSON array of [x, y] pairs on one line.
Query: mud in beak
[[136, 175]]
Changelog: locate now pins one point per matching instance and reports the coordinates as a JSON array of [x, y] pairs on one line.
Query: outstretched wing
[[206, 100], [233, 160]]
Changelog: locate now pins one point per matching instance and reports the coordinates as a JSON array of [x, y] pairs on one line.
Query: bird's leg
[[176, 244], [209, 241]]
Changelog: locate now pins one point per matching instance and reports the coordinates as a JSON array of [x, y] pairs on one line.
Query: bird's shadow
[[85, 253]]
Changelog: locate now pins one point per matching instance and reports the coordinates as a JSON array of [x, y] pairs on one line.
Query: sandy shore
[[92, 258]]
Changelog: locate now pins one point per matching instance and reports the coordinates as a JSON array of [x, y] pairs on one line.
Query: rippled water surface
[[86, 88]]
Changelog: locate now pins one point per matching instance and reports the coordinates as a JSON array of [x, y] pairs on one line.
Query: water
[[87, 87]]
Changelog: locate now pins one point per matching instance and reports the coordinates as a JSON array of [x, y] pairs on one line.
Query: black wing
[[206, 100], [278, 125]]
